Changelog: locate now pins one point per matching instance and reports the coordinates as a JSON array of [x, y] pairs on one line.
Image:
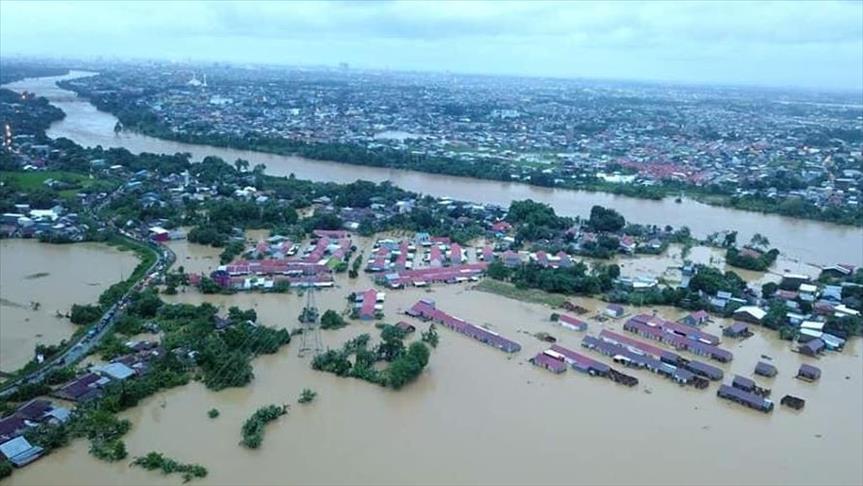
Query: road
[[80, 348]]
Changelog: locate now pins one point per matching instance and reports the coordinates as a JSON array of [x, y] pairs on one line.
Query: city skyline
[[751, 44]]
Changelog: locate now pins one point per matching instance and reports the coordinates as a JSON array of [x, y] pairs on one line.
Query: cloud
[[800, 43]]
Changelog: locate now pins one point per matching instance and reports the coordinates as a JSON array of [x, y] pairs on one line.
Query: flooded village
[[546, 414], [566, 344]]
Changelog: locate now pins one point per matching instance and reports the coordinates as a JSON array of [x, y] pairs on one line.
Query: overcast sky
[[817, 45]]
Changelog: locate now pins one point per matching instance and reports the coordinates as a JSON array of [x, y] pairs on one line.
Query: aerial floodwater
[[39, 281], [87, 126], [480, 416]]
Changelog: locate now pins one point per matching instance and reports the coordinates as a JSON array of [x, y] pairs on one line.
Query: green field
[[526, 295], [29, 181]]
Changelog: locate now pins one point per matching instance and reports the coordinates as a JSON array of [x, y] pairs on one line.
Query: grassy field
[[510, 291], [28, 181]]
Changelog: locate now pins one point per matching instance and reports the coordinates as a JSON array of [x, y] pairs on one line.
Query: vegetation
[[751, 259], [307, 396], [535, 220], [85, 314], [253, 428], [495, 286], [355, 266], [331, 319], [5, 468], [213, 413], [405, 363], [156, 461], [575, 279], [430, 337], [231, 251], [608, 220]]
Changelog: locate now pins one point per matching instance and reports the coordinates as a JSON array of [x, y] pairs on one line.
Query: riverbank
[[360, 156], [801, 239]]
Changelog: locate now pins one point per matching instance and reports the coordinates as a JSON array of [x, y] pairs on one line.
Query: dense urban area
[[788, 152], [791, 153]]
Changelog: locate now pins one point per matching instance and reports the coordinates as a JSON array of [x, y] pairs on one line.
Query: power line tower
[[311, 336]]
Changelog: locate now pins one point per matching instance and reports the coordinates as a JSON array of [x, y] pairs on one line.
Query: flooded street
[[802, 239], [478, 415], [55, 277]]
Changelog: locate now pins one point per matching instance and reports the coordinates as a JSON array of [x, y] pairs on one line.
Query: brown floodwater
[[55, 276], [812, 241], [480, 416]]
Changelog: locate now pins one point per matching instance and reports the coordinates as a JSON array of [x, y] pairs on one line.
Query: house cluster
[[427, 310], [557, 358], [699, 368], [284, 263], [678, 336], [624, 355], [389, 255], [14, 446], [667, 138], [53, 224], [91, 385], [421, 261], [809, 305]]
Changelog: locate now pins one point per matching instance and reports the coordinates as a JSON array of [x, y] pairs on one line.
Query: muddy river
[[811, 241], [480, 416], [37, 280]]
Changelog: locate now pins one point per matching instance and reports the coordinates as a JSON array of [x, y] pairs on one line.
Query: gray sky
[[817, 45]]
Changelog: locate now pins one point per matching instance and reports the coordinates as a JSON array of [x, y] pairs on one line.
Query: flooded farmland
[[478, 415], [39, 280]]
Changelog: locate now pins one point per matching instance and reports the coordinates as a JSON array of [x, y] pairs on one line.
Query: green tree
[[332, 320], [85, 314]]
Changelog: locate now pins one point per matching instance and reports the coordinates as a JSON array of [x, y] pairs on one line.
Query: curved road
[[77, 350]]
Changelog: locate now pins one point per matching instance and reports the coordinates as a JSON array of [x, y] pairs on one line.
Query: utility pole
[[310, 341]]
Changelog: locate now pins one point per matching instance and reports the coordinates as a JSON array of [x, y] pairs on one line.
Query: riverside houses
[[426, 309]]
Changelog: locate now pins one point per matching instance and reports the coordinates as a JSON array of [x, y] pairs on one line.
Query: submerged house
[[585, 364], [748, 399], [737, 330], [698, 318], [571, 323], [406, 327], [765, 369], [808, 373], [749, 385], [368, 305], [550, 360], [791, 401], [812, 348], [426, 309], [614, 310]]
